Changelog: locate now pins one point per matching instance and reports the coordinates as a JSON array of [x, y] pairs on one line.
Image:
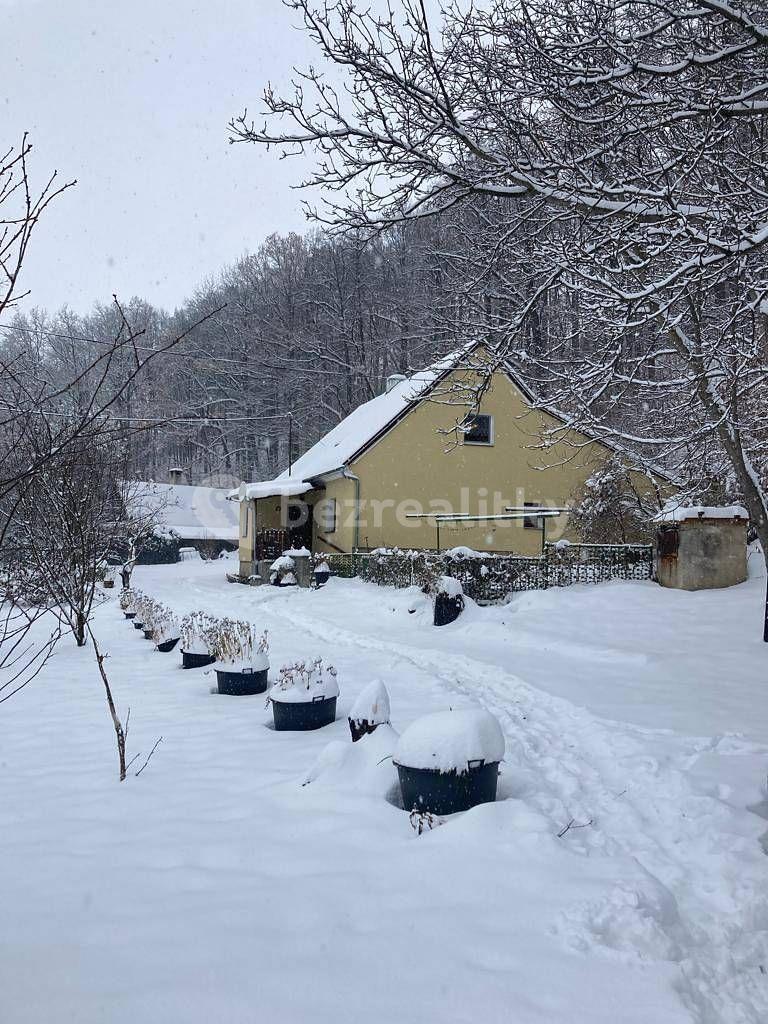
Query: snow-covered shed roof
[[190, 512], [679, 513]]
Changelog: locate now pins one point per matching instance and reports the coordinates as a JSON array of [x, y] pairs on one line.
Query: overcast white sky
[[132, 98]]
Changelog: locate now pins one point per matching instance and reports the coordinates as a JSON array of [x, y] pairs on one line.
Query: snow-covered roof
[[336, 448], [679, 513], [287, 488], [190, 512]]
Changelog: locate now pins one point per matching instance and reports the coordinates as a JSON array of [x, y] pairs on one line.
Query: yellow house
[[397, 473]]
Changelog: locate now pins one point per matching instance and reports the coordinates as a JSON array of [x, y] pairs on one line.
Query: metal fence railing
[[489, 578]]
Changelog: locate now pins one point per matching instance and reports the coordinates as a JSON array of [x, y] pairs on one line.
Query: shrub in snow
[[370, 710], [449, 600], [281, 571], [449, 761], [304, 696]]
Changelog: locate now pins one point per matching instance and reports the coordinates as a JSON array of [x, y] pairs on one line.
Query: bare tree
[[616, 157]]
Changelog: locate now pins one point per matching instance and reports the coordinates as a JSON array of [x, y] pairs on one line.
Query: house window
[[326, 515], [532, 522], [478, 429], [244, 521]]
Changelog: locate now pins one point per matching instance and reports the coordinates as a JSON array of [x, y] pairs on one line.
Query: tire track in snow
[[707, 874]]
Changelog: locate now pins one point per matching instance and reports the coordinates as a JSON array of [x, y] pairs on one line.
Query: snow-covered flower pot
[[370, 710], [242, 662], [137, 624], [304, 696], [449, 600], [449, 761], [149, 632], [196, 631], [321, 573], [128, 602]]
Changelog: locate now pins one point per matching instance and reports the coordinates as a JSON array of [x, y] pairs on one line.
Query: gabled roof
[[370, 421], [341, 444], [189, 512]]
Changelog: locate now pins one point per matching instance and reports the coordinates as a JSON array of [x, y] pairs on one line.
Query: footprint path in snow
[[705, 904]]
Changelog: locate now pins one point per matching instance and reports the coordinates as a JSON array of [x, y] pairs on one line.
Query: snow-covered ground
[[217, 887]]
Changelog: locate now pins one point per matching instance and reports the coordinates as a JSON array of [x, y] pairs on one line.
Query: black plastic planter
[[239, 684], [138, 625], [149, 634], [167, 645], [321, 578], [130, 615], [191, 660], [448, 609], [426, 789], [293, 717]]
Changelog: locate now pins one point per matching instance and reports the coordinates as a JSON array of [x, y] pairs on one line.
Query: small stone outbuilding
[[701, 548]]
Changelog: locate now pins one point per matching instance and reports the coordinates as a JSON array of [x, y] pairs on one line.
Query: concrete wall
[[712, 553]]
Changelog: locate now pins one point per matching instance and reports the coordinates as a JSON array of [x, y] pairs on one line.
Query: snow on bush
[[198, 631], [365, 766], [128, 599], [451, 741], [281, 570], [305, 681], [449, 586], [282, 564], [238, 648], [372, 706], [165, 625]]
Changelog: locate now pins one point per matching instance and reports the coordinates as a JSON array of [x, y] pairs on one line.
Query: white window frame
[[491, 434]]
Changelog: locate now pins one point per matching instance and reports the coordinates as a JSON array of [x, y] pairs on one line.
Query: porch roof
[[286, 488]]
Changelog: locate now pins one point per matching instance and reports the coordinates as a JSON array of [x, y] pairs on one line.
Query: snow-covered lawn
[[216, 887]]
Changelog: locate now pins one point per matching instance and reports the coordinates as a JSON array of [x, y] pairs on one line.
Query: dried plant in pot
[[197, 640], [449, 761], [148, 612], [304, 696], [166, 629], [370, 710], [242, 662], [128, 599]]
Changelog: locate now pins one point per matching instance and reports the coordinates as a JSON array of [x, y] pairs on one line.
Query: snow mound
[[365, 765], [449, 740], [372, 705]]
